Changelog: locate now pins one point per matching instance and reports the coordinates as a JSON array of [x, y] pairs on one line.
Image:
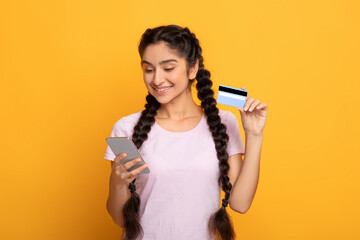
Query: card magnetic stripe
[[231, 96]]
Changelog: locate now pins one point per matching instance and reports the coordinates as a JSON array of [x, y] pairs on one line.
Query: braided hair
[[186, 45]]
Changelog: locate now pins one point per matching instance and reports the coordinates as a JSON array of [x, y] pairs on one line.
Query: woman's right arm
[[120, 178]]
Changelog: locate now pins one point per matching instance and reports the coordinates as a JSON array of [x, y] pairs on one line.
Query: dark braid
[[146, 120], [131, 208], [187, 45], [219, 222]]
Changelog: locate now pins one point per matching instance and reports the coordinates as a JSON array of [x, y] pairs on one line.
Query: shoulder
[[127, 122], [131, 118], [227, 116]]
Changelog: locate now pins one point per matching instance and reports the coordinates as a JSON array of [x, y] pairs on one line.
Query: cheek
[[147, 79], [178, 77]]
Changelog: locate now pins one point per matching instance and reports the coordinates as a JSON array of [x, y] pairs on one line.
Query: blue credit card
[[231, 96]]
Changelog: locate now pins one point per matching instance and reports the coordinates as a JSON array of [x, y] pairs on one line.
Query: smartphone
[[124, 144]]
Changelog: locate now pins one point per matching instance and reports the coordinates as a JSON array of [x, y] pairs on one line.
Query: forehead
[[155, 53]]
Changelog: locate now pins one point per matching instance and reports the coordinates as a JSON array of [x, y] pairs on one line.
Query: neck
[[180, 108]]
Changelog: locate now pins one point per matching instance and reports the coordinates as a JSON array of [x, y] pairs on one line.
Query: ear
[[194, 70]]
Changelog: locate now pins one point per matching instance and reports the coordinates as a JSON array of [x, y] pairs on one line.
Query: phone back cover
[[124, 144]]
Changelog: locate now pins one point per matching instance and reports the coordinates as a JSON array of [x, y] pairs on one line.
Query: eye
[[148, 70], [168, 69]]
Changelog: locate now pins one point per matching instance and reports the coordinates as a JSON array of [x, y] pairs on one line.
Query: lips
[[162, 90]]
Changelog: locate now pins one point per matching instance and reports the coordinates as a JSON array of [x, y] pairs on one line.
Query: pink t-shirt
[[181, 191]]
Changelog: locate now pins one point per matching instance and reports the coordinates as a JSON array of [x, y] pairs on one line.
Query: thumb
[[241, 110]]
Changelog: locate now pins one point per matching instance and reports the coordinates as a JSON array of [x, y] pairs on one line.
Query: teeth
[[163, 89]]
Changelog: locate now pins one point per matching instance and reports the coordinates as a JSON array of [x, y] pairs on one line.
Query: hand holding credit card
[[235, 97]]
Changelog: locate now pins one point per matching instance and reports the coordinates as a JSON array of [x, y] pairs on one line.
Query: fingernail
[[245, 108], [124, 155]]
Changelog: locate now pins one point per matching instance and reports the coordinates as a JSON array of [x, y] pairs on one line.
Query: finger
[[137, 171], [120, 157], [262, 105], [248, 103], [117, 160], [254, 104], [241, 110], [259, 106], [132, 163]]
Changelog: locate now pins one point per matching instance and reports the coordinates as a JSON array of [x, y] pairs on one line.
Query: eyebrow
[[162, 62]]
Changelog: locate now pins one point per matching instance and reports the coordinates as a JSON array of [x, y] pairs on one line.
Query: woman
[[192, 151]]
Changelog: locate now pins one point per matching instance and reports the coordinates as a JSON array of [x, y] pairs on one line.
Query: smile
[[162, 90]]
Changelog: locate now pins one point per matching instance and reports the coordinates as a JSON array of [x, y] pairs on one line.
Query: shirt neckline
[[181, 133]]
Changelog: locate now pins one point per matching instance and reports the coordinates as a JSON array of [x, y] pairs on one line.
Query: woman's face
[[165, 74]]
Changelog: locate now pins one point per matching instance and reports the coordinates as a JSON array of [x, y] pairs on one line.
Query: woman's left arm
[[245, 180], [244, 176]]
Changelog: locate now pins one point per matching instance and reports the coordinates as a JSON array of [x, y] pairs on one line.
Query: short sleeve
[[235, 144], [118, 130]]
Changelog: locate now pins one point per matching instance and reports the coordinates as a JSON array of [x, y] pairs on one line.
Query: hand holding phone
[[121, 172], [120, 145]]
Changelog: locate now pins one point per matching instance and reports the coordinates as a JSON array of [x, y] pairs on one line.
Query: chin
[[162, 100]]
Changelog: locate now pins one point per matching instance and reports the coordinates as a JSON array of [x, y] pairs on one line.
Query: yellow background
[[70, 69]]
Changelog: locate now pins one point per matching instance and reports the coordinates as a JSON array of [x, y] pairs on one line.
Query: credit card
[[231, 96]]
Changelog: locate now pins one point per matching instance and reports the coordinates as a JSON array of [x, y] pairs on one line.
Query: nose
[[158, 78]]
